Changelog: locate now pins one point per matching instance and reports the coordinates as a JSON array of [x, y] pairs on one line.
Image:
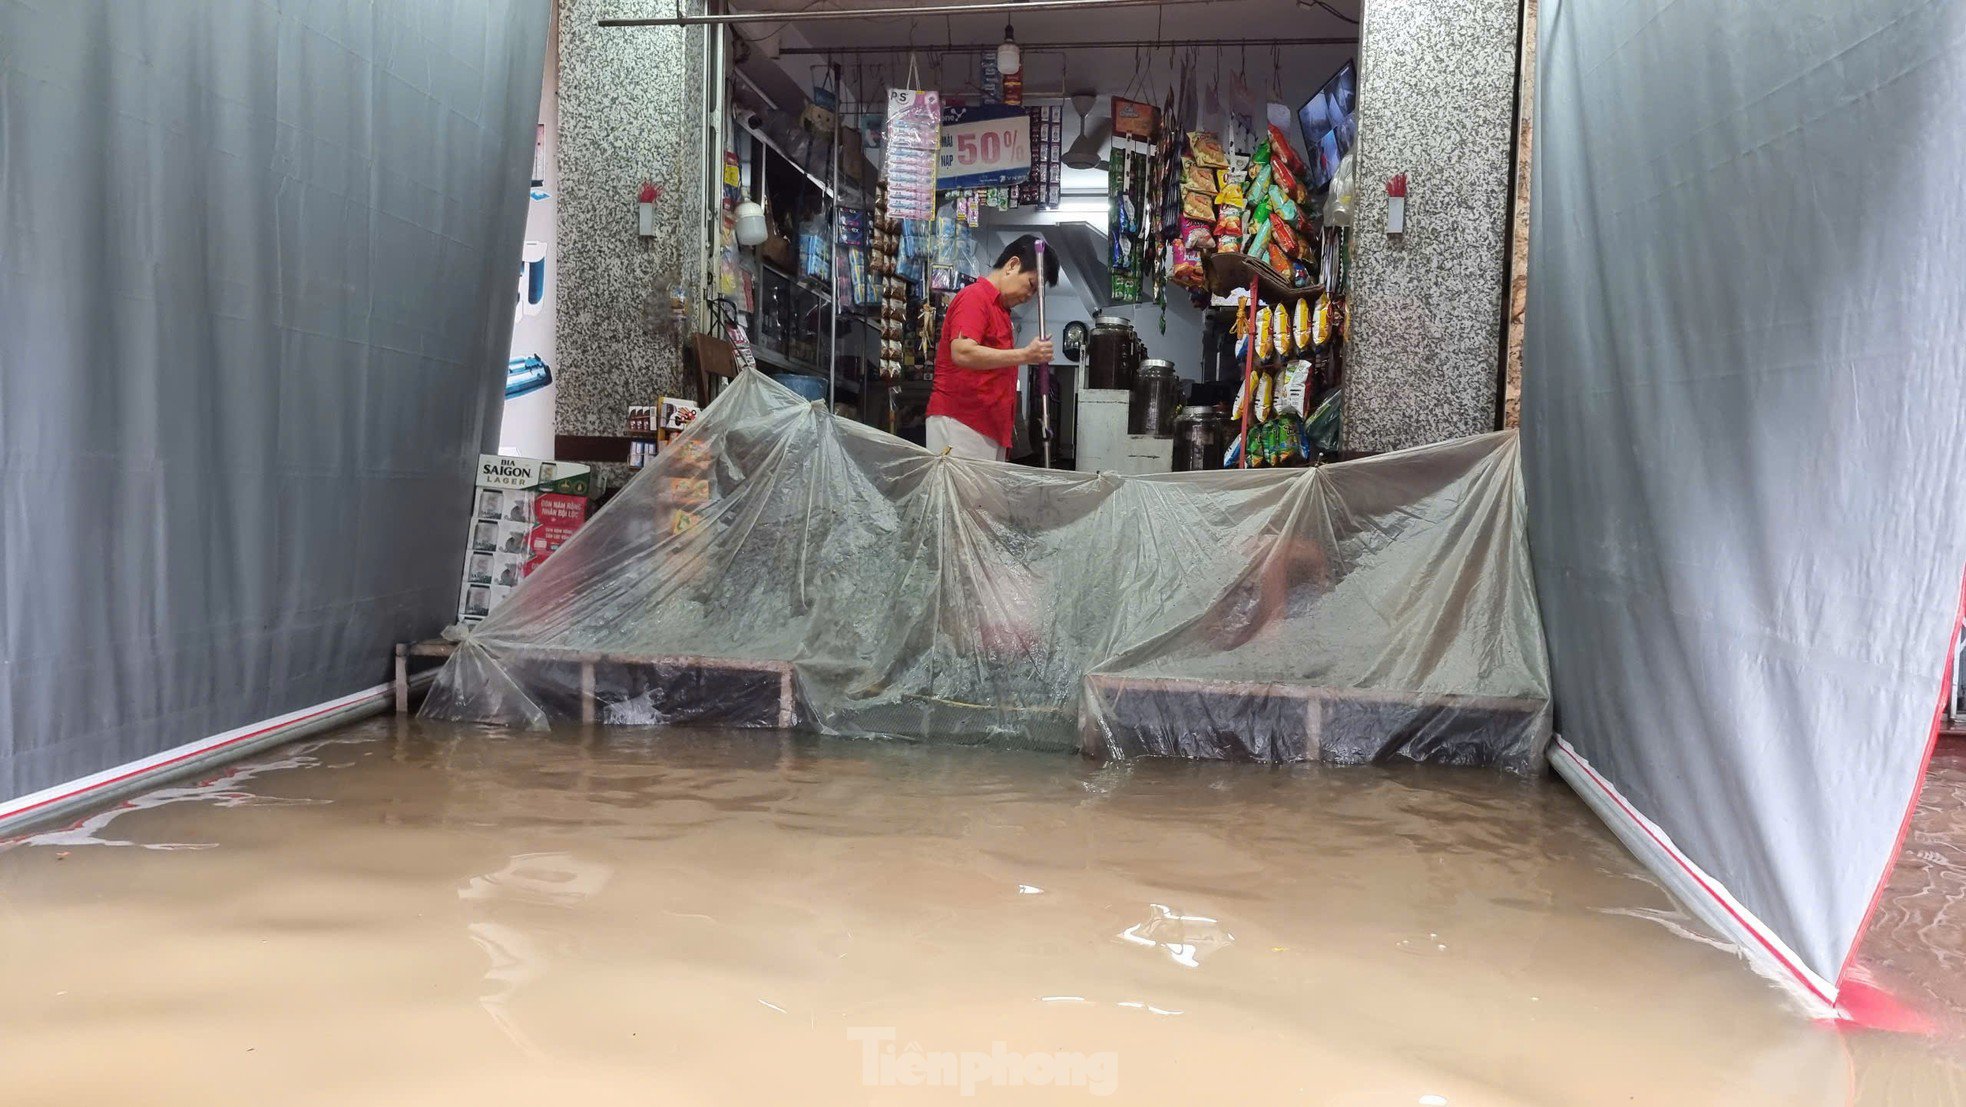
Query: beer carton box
[[522, 510]]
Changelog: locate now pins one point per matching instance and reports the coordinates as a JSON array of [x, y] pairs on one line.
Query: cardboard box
[[523, 509]]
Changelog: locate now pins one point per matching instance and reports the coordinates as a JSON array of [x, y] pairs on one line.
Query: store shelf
[[853, 196], [799, 284], [771, 358], [1229, 272]]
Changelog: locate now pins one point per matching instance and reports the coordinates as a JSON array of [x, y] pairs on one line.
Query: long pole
[[713, 207], [1103, 44], [1249, 377], [822, 14], [833, 253], [1044, 371]]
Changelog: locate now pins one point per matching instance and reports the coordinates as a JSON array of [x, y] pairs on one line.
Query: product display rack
[[792, 322]]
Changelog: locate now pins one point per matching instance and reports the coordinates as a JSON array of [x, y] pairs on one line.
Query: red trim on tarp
[[201, 751], [1751, 926], [1911, 805]]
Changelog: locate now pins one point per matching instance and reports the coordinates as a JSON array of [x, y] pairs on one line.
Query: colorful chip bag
[[1282, 203], [1259, 240], [1260, 187], [1206, 147], [1282, 234], [1281, 151], [1199, 178]]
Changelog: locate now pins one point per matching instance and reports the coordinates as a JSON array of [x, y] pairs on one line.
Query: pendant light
[[1009, 58], [751, 228]]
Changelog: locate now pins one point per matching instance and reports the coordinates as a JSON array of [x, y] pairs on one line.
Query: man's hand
[[968, 353]]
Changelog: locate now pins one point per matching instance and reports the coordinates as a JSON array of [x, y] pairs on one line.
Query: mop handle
[[1039, 244], [1044, 371]]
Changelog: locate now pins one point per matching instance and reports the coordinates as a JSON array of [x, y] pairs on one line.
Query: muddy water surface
[[420, 913]]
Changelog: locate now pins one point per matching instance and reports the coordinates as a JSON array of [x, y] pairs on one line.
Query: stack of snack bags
[[1264, 211], [1288, 340], [884, 271]]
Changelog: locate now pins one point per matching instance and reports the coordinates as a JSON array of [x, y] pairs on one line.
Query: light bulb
[[1009, 58], [751, 228]]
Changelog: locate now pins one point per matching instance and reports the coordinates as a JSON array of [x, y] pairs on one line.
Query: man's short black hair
[[1025, 249]]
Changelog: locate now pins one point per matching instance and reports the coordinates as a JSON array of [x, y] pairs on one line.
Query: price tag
[[983, 147]]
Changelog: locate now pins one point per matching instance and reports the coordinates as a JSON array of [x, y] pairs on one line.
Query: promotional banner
[[983, 147]]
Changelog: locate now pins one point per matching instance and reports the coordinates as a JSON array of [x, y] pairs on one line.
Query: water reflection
[[1188, 939], [497, 906], [227, 789]]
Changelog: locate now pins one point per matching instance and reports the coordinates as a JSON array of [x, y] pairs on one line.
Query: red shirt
[[984, 400]]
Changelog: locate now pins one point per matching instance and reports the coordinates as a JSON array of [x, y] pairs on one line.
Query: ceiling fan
[[1084, 153]]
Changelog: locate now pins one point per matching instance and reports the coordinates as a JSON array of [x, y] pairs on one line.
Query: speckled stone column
[[629, 105], [1436, 101]]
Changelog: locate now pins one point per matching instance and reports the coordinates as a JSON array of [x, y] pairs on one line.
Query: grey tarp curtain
[[256, 266], [1743, 411]]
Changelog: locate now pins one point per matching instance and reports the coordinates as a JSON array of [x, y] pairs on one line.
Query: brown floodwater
[[1915, 945], [416, 913]]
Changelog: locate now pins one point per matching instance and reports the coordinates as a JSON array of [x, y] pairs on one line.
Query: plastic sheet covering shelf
[[780, 565]]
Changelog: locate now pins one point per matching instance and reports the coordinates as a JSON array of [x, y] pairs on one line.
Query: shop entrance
[[1144, 131]]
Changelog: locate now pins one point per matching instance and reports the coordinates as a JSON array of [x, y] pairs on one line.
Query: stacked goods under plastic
[[841, 580]]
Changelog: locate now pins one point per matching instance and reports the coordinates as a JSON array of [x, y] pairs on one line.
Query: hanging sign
[[983, 146]]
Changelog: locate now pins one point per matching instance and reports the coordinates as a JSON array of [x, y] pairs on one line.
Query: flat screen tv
[[1329, 120]]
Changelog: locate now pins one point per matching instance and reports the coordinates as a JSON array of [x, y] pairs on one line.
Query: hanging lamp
[[1009, 58]]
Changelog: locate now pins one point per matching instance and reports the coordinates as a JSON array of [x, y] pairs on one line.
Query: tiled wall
[[1436, 100], [629, 104]]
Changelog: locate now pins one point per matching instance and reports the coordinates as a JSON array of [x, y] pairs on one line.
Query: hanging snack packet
[[1259, 240], [1282, 234], [1282, 204], [1282, 151], [1280, 327], [1296, 385], [1287, 180], [1259, 188], [1206, 148], [1199, 178], [1300, 326]]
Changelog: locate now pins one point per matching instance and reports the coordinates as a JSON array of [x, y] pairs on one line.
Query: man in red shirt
[[977, 360]]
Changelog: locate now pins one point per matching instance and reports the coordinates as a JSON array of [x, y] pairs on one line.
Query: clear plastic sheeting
[[778, 566]]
